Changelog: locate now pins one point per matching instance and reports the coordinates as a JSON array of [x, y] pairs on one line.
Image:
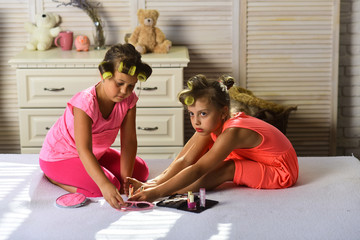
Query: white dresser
[[47, 80]]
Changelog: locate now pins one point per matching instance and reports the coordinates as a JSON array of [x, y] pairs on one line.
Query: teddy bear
[[43, 31], [146, 37]]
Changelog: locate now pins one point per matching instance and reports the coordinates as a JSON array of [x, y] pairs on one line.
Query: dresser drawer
[[161, 89], [159, 127], [52, 87], [156, 126], [37, 89]]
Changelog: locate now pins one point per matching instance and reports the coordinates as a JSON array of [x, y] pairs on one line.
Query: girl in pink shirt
[[76, 153], [242, 149]]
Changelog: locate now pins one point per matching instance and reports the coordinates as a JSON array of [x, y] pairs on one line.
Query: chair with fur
[[243, 100]]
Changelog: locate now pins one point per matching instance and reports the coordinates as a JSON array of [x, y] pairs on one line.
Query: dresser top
[[56, 58]]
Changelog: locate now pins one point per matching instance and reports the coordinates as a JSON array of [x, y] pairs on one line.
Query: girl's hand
[[112, 195], [149, 195]]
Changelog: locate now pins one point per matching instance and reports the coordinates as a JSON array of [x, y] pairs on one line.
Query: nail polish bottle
[[190, 201]]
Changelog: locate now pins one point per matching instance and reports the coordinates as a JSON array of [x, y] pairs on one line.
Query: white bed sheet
[[324, 204]]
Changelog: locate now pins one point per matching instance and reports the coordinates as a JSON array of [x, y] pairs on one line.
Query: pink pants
[[72, 172]]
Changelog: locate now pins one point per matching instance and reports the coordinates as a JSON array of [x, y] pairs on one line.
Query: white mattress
[[324, 204]]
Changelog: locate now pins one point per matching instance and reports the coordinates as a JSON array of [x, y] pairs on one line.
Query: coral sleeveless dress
[[272, 164]]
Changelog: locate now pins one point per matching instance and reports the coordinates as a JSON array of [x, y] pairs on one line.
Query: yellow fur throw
[[243, 100]]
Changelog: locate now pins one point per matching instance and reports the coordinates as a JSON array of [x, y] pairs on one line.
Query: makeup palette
[[180, 202]]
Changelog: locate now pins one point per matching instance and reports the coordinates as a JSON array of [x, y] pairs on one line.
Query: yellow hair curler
[[107, 75], [190, 84], [132, 70], [141, 77], [189, 100], [121, 66]]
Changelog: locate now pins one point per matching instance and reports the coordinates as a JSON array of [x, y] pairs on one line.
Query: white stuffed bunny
[[43, 32]]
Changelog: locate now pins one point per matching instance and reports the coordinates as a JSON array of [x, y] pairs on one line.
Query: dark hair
[[215, 91], [128, 57]]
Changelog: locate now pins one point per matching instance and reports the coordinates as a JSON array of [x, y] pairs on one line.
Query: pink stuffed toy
[[82, 43]]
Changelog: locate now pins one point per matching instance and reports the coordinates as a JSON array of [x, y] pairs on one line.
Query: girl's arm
[[83, 141], [222, 147], [209, 161], [192, 151], [128, 144], [229, 140]]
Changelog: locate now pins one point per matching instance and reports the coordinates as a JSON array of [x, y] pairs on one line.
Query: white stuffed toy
[[43, 32]]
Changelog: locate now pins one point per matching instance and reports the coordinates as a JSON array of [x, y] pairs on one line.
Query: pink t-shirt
[[59, 143]]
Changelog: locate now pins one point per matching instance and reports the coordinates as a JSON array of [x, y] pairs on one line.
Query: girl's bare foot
[[136, 184]]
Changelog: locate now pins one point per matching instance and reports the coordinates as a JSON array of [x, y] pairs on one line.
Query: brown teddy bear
[[146, 37]]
